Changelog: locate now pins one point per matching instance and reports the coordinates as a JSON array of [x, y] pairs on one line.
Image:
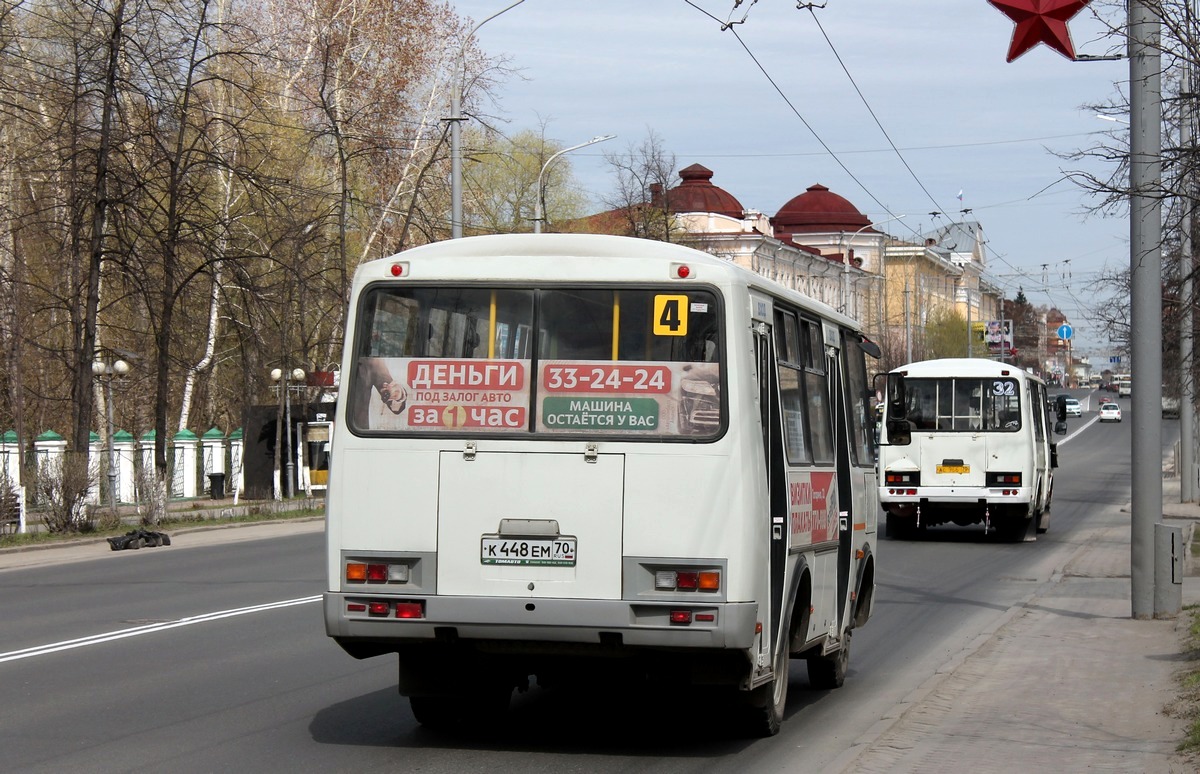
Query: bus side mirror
[[1060, 427], [897, 400], [1060, 412], [899, 432]]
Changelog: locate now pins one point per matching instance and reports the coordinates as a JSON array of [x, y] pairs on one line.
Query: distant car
[[1110, 412], [1105, 399], [1073, 408]]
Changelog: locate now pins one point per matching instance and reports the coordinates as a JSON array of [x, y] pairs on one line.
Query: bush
[[62, 487]]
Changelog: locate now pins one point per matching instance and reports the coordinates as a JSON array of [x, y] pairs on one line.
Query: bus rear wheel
[[765, 705], [828, 672], [477, 709], [900, 528]]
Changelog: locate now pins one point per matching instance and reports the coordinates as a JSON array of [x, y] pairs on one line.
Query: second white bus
[[577, 456], [966, 441]]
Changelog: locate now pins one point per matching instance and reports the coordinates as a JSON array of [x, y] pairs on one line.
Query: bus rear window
[[589, 361], [964, 404]]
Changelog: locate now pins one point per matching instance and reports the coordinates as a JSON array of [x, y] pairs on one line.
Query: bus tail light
[[902, 478], [1003, 479], [376, 572], [687, 580], [681, 617], [410, 609]]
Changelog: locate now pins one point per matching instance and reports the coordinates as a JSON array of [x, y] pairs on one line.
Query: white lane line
[[1079, 430], [137, 631]]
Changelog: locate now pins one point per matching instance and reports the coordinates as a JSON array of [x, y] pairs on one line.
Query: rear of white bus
[[966, 447], [542, 478]]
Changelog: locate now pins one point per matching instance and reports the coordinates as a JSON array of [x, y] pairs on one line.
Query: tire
[[437, 712], [1013, 527], [898, 528], [828, 672], [475, 710], [766, 704]]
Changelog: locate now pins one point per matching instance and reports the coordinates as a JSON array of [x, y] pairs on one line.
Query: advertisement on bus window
[[812, 508], [621, 398], [441, 394], [630, 397]]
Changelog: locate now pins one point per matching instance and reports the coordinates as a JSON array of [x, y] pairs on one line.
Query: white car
[[1110, 412], [1073, 408]]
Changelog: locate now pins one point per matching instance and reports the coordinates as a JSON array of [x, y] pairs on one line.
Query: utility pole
[[1187, 411], [1145, 270]]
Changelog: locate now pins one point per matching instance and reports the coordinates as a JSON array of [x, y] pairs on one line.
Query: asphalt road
[[210, 655]]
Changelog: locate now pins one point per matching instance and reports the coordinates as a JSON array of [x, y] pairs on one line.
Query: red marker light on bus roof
[[681, 270], [399, 269]]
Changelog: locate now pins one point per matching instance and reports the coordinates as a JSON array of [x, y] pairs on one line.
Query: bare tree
[[640, 201]]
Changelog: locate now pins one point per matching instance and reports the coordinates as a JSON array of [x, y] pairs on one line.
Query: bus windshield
[[967, 404], [622, 361]]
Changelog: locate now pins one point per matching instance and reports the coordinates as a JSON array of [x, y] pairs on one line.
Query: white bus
[[967, 441], [575, 456]]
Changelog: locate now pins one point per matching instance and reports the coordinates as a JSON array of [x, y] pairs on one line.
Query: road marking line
[[96, 639]]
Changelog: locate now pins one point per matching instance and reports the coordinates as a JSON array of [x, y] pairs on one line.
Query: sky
[[767, 104]]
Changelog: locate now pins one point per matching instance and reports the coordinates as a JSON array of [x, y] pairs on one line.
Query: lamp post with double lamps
[[105, 368], [285, 382], [537, 203]]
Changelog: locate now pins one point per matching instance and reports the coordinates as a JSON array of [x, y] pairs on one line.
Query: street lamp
[[456, 118], [106, 369], [283, 381], [537, 203], [842, 243]]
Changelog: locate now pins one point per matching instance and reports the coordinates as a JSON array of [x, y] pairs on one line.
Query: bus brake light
[[410, 609]]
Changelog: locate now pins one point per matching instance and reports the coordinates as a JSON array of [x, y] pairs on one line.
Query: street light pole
[[283, 378], [842, 244], [537, 203], [456, 119], [105, 369]]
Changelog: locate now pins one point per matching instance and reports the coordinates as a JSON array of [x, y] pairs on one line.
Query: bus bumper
[[600, 622]]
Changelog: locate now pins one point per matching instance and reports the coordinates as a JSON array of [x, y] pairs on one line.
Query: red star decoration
[[1040, 21]]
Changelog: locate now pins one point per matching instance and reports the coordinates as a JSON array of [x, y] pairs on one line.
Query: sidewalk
[[1066, 682]]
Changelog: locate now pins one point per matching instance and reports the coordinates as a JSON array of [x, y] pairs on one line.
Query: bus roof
[[962, 366], [591, 257]]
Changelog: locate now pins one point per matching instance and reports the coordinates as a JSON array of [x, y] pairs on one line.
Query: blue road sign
[[1065, 331]]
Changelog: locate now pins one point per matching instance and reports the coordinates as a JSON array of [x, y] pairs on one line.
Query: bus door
[[768, 398], [845, 484]]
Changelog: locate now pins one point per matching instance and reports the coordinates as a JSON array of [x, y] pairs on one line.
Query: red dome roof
[[697, 194], [818, 210]]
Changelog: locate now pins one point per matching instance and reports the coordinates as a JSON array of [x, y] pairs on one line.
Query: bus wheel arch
[[801, 610], [864, 600]]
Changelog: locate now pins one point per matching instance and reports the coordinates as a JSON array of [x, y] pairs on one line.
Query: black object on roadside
[[139, 538]]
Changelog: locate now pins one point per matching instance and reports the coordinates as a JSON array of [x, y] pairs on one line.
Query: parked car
[[1170, 407], [1110, 412], [1073, 408]]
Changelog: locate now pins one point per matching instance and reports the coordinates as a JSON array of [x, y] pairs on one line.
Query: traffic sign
[[1065, 331], [1115, 359]]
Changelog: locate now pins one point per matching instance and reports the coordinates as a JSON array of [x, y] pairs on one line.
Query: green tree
[[945, 334], [500, 183]]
